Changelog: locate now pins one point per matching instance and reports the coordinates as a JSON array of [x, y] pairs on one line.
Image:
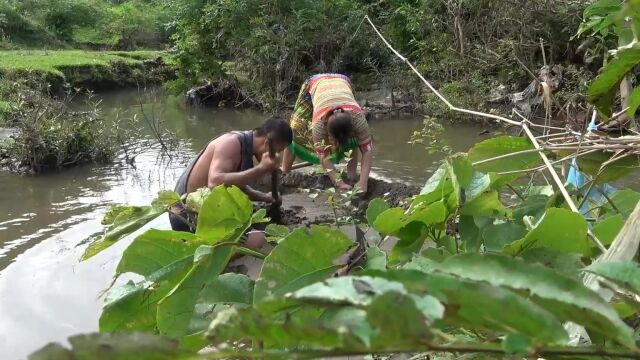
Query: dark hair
[[275, 129], [340, 126]]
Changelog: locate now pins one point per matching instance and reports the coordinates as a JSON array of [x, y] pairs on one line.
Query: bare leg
[[352, 166], [287, 160]]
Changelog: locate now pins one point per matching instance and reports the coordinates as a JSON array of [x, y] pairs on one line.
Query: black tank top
[[246, 159]]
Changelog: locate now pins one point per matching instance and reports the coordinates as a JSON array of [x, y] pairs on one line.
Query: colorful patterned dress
[[318, 96]]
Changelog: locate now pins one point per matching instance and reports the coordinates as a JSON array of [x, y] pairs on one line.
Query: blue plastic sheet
[[577, 179]]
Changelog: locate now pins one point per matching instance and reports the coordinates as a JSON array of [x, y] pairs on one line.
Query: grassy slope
[[53, 60]]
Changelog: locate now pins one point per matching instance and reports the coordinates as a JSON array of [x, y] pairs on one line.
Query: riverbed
[[48, 295]]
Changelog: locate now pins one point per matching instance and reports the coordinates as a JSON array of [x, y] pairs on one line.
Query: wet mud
[[300, 209]]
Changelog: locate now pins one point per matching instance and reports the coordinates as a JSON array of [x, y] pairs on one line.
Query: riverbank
[[90, 70], [37, 88]]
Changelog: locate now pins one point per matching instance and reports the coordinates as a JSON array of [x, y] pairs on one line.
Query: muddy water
[[46, 294]]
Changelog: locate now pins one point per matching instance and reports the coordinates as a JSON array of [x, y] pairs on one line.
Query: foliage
[[17, 29], [50, 135], [123, 220], [112, 347], [617, 23], [466, 274], [122, 25], [277, 44]]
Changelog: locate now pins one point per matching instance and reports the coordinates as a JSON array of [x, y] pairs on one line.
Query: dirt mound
[[299, 209], [394, 193]]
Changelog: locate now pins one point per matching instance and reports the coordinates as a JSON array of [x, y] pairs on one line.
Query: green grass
[[53, 60]]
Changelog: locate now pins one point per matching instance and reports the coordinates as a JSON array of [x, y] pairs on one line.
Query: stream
[[47, 294]]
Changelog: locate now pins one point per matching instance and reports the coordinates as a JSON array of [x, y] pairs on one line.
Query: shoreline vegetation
[[36, 91], [504, 246], [473, 52]]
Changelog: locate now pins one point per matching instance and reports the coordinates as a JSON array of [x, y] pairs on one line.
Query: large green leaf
[[634, 102], [226, 289], [405, 327], [590, 164], [559, 229], [123, 220], [496, 236], [603, 89], [305, 256], [391, 221], [470, 234], [300, 329], [195, 199], [481, 306], [126, 346], [156, 249], [128, 221], [376, 259], [411, 239], [533, 205], [500, 146], [460, 172], [133, 306], [479, 184], [567, 298], [376, 207], [175, 309], [625, 274], [566, 264], [438, 184], [225, 215], [625, 201], [369, 326], [607, 229], [427, 214], [486, 204]]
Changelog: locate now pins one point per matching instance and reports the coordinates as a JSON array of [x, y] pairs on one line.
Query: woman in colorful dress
[[327, 123]]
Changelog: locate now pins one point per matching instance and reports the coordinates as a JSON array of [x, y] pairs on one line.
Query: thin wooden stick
[[537, 168], [442, 98]]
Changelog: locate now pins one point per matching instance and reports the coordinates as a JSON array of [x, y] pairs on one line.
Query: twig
[[516, 153], [575, 155], [544, 55], [442, 98], [515, 191]]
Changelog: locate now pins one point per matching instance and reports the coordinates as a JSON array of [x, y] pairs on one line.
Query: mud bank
[[300, 209], [394, 193]]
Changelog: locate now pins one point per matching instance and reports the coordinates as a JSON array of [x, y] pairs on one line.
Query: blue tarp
[[577, 179]]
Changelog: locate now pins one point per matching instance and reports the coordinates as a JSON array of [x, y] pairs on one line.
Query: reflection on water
[[47, 294]]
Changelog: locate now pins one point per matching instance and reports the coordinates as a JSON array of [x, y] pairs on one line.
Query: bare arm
[[256, 195], [366, 148], [365, 169], [224, 162], [319, 133]]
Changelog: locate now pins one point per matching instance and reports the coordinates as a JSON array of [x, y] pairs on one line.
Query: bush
[[276, 43], [18, 29], [64, 16], [50, 135]]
